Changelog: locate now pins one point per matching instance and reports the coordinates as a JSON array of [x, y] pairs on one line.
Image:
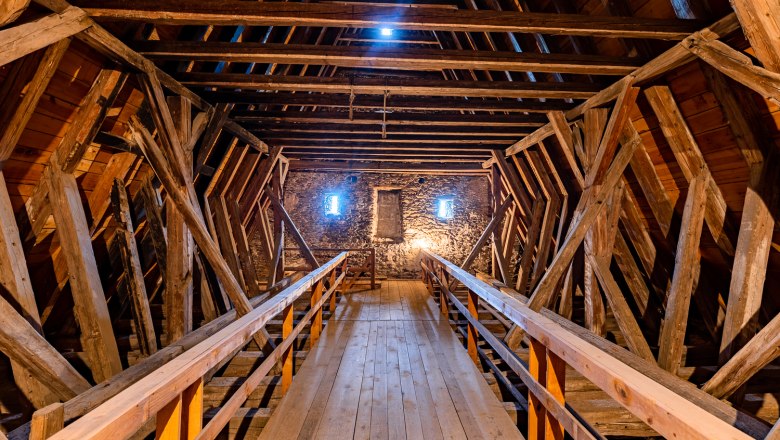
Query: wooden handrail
[[668, 413], [173, 392], [370, 265]]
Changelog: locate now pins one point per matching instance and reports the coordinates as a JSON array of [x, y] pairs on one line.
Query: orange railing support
[[192, 410], [287, 356]]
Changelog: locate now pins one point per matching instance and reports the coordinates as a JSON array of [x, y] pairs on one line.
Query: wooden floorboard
[[389, 366]]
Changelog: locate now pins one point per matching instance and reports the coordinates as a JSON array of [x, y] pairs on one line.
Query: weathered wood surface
[[408, 59], [365, 16], [638, 393], [388, 364]]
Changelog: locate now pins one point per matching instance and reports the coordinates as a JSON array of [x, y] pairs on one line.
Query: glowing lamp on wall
[[386, 32], [422, 243]]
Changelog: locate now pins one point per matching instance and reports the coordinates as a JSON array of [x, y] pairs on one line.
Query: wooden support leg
[[537, 366], [287, 356], [47, 421], [556, 385], [316, 322], [332, 296], [473, 341], [192, 411], [169, 421]]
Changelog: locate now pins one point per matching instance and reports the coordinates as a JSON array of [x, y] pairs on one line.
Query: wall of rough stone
[[305, 193]]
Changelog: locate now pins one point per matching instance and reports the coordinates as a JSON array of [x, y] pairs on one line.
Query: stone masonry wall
[[305, 194]]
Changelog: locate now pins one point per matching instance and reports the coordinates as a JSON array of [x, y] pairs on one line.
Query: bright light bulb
[[386, 32]]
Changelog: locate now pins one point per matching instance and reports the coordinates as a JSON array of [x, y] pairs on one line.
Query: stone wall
[[354, 228]]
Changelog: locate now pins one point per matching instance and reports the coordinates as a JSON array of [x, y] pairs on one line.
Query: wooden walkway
[[389, 367]]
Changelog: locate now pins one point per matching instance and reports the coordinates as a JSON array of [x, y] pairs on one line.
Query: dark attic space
[[389, 219]]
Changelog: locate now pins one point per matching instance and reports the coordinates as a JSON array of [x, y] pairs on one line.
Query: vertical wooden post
[[537, 366], [169, 421], [192, 410], [97, 333], [473, 335], [373, 268], [316, 322], [556, 385], [443, 304], [287, 356], [47, 421], [333, 295]]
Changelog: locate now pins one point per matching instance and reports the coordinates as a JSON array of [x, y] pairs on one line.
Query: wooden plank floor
[[389, 367]]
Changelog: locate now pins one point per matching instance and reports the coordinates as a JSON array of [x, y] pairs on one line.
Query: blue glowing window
[[332, 205], [446, 208], [386, 32]]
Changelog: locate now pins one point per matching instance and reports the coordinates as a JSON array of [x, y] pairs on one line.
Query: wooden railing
[[551, 348], [367, 267], [173, 394]]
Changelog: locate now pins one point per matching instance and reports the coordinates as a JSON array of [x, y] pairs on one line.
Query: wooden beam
[[394, 102], [384, 57], [154, 220], [760, 20], [133, 273], [173, 118], [194, 220], [386, 167], [757, 353], [761, 155], [565, 138], [514, 186], [259, 181], [21, 90], [97, 334], [738, 66], [375, 86], [296, 234], [498, 216], [26, 38], [405, 119], [674, 57], [47, 421], [685, 279], [722, 410], [618, 119], [227, 236], [248, 266], [11, 10], [229, 12], [15, 280], [588, 209], [665, 411], [210, 136], [90, 115], [449, 131], [691, 161]]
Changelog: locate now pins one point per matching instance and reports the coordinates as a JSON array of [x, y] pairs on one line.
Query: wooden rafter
[[377, 57], [366, 16]]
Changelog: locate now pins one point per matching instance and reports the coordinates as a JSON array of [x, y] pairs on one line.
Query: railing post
[[373, 268], [537, 366], [47, 421], [287, 356], [169, 421], [556, 385], [332, 283], [473, 341], [443, 299], [192, 410], [316, 322]]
